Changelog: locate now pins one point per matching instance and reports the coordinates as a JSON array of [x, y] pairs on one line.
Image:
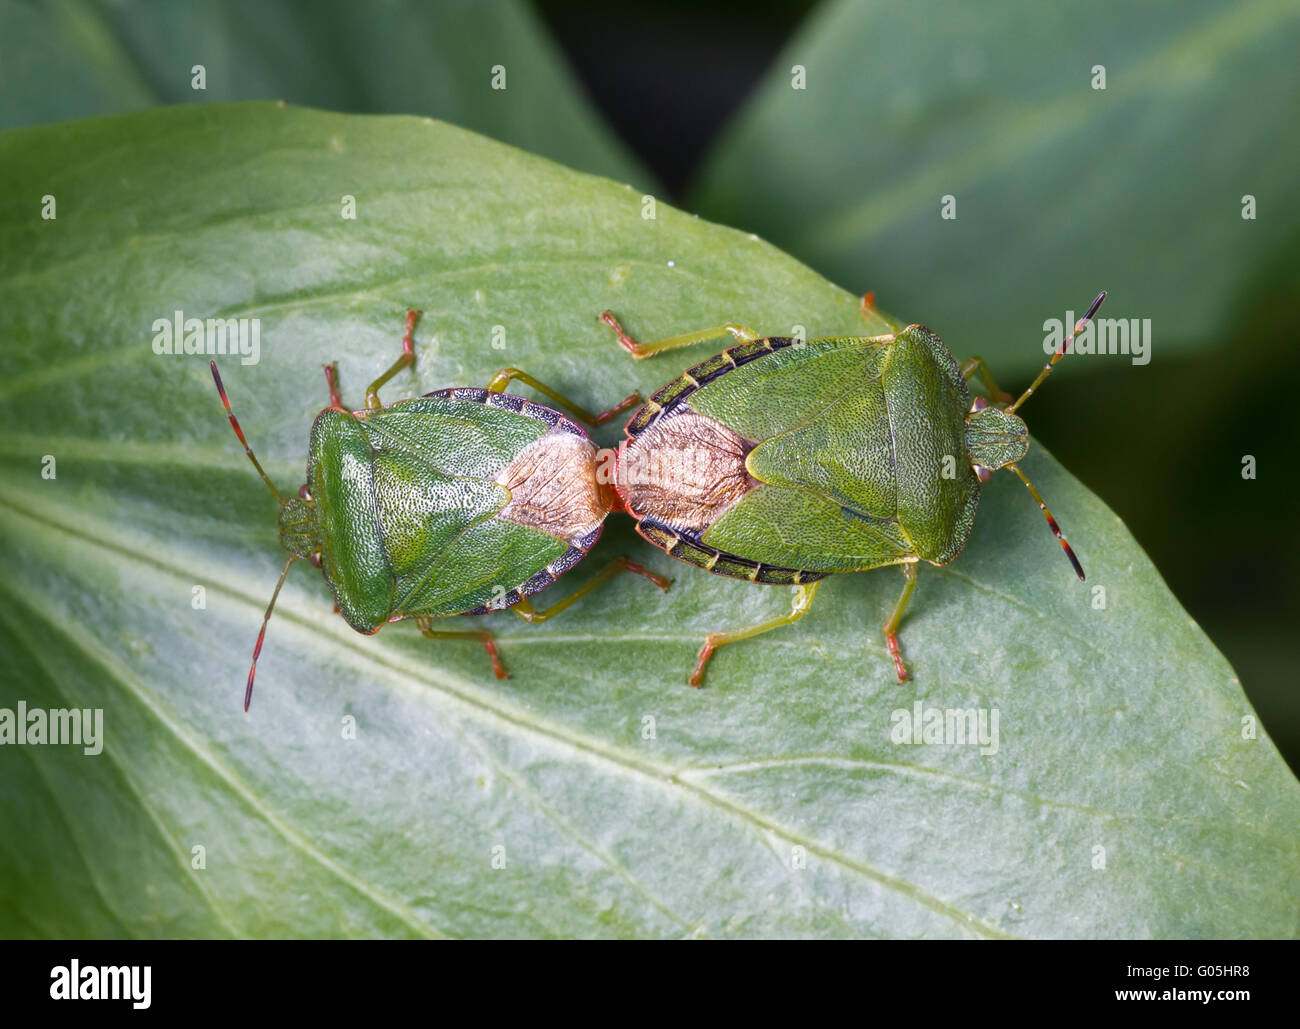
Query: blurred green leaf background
[[1061, 189]]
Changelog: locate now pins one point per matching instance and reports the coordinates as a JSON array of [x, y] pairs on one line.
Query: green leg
[[426, 628], [975, 365], [639, 350], [502, 379], [528, 613], [803, 599], [896, 616], [405, 361], [525, 610]]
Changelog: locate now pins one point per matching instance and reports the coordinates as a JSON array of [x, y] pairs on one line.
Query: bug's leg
[[868, 302], [405, 361], [896, 616], [802, 601], [503, 378], [426, 628], [332, 378], [528, 613], [976, 366], [639, 350]]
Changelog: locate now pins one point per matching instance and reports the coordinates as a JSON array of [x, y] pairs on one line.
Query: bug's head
[[996, 437], [299, 530]]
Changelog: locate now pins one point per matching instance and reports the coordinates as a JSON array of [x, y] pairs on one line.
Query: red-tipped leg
[[425, 625], [638, 350], [803, 599], [498, 669], [408, 341], [405, 360], [631, 400], [702, 659], [503, 378], [624, 340], [891, 641], [890, 627], [332, 379], [645, 573], [525, 610]]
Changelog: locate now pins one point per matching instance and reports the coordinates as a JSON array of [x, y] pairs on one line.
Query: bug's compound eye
[[982, 473], [314, 558], [304, 492], [979, 405]]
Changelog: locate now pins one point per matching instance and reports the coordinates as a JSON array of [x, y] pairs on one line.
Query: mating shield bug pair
[[776, 461], [462, 501]]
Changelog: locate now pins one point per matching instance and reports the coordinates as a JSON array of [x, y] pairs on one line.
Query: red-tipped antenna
[[1047, 368], [257, 650], [234, 424], [1051, 522]]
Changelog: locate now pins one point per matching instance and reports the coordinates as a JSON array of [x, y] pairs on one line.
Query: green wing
[[800, 528], [476, 566], [419, 533], [435, 489], [845, 452], [461, 438], [790, 387], [824, 454], [859, 447]]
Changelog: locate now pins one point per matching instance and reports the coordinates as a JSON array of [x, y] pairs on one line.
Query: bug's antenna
[[234, 424], [1078, 568], [1047, 368], [257, 650]]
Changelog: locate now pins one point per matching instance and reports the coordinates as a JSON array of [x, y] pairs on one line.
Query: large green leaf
[[76, 58], [1061, 189], [771, 802]]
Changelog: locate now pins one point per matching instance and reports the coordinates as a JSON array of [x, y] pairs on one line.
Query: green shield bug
[[462, 501], [783, 462]]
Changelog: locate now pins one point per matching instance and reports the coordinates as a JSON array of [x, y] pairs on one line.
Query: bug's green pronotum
[[462, 501], [783, 462]]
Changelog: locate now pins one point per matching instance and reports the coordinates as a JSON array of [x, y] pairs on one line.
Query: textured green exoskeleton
[[783, 462], [462, 501]]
